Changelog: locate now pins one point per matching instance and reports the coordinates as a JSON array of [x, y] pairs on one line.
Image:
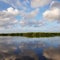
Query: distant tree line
[[32, 34]]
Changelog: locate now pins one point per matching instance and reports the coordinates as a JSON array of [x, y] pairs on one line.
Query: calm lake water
[[23, 48]]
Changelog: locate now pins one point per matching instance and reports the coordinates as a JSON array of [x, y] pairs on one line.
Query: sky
[[29, 16]]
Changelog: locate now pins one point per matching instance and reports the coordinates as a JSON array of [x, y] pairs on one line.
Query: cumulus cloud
[[7, 17], [28, 10], [53, 13], [28, 19], [31, 23], [10, 12], [31, 14], [55, 4], [39, 3]]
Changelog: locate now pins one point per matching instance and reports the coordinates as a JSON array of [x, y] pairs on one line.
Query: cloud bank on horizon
[[31, 15]]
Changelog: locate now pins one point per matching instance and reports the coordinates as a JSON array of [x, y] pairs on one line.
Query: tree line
[[32, 34]]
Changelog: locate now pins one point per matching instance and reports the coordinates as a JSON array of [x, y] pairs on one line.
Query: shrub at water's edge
[[32, 34]]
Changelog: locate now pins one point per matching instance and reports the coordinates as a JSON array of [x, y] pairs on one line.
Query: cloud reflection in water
[[20, 48]]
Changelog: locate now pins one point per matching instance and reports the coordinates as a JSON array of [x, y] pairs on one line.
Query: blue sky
[[29, 16]]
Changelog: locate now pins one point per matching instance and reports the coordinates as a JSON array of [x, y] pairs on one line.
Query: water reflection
[[22, 48], [52, 53]]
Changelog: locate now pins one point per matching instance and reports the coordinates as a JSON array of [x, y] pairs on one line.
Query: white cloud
[[7, 17], [28, 19], [53, 13], [9, 13], [55, 4], [31, 14], [39, 3], [31, 23], [12, 11]]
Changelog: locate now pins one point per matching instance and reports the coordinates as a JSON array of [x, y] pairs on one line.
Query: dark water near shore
[[23, 48]]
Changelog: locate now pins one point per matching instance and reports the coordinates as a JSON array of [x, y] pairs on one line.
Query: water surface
[[23, 48]]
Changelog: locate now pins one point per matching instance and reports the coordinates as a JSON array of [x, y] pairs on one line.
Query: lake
[[23, 48]]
